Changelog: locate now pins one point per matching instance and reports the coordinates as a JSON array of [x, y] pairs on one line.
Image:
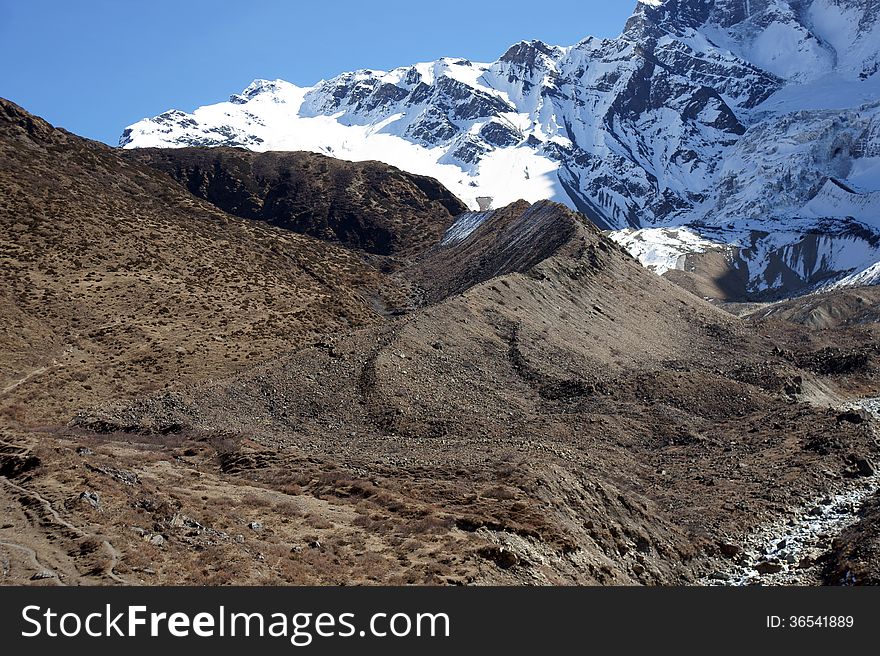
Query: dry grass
[[119, 283]]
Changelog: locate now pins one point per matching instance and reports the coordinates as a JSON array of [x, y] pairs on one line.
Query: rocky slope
[[857, 307], [190, 397], [111, 266], [369, 206], [854, 557], [749, 126]]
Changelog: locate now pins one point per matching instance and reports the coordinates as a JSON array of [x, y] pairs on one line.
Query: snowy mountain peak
[[258, 87], [719, 115]]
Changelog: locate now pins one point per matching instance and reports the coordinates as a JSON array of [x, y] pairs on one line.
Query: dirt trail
[[50, 510], [74, 532], [33, 374], [34, 560]]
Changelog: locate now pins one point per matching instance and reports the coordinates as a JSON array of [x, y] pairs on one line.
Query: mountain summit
[[746, 128]]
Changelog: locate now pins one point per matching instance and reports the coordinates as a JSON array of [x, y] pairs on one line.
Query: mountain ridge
[[369, 206], [192, 397], [723, 118]]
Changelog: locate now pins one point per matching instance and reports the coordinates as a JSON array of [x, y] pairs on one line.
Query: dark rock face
[[498, 134], [433, 127], [368, 206], [512, 239], [526, 54]]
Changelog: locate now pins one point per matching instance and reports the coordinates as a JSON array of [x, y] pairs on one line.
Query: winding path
[[112, 552], [33, 374], [35, 560]]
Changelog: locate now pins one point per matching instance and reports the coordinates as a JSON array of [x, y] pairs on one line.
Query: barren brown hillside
[[366, 205], [192, 397]]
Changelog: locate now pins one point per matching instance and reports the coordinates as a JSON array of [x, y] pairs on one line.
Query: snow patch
[[663, 249], [864, 278], [464, 227]]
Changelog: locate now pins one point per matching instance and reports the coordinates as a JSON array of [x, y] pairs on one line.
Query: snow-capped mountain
[[750, 126]]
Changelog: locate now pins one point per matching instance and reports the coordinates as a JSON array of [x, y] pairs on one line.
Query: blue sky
[[95, 66]]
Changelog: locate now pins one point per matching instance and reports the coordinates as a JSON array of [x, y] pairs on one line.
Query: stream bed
[[782, 552]]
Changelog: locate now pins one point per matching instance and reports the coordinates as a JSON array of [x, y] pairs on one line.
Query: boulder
[[769, 567], [90, 498], [865, 466], [729, 550], [502, 557], [852, 417], [42, 575]]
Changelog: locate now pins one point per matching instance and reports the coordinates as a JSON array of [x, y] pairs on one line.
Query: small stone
[[91, 498], [768, 567], [816, 512], [806, 563], [782, 544], [719, 576], [865, 466], [255, 526], [84, 451], [157, 540], [730, 550], [638, 569], [315, 544], [42, 575], [296, 549]]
